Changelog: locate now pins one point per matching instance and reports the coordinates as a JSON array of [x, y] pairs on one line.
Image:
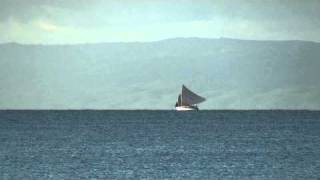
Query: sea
[[156, 145]]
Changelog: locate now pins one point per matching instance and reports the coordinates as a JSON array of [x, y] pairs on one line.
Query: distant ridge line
[[156, 41]]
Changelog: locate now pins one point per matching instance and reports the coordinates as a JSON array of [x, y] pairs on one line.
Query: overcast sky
[[88, 21]]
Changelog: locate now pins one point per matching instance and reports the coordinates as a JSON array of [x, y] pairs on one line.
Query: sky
[[92, 21]]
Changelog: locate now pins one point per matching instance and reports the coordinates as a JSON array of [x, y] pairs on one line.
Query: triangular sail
[[189, 98], [180, 103], [179, 100]]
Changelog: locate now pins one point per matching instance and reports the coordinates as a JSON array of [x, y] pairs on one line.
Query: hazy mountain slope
[[230, 73]]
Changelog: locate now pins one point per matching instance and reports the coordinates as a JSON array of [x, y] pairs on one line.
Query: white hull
[[185, 108]]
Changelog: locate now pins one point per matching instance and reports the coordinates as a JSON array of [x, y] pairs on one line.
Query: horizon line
[[93, 109]]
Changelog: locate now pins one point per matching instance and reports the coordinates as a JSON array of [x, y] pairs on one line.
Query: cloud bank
[[84, 21]]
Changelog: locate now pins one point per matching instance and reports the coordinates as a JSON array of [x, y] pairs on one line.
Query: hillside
[[232, 74]]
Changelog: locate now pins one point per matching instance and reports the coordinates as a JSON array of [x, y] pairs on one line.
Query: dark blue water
[[159, 145]]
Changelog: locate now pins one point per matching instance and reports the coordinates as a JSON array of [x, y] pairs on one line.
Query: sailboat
[[188, 100]]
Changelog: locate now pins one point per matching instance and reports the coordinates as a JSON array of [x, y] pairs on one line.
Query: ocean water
[[156, 145]]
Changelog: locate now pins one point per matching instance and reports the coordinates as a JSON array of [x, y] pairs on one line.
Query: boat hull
[[186, 108]]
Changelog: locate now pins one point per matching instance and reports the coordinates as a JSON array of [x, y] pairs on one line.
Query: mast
[[181, 97]]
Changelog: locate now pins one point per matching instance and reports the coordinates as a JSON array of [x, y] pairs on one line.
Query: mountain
[[230, 73]]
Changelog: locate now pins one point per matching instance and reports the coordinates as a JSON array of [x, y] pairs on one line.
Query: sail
[[189, 98], [179, 100], [180, 103]]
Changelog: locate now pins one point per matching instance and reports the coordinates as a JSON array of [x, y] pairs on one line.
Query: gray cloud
[[247, 19], [193, 10], [27, 10]]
